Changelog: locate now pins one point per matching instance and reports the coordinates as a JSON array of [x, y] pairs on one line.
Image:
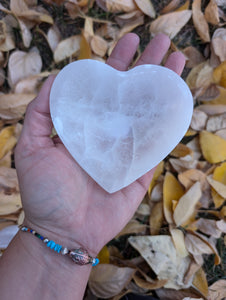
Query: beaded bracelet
[[80, 256]]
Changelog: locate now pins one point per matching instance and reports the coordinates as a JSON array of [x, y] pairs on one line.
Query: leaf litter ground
[[184, 210]]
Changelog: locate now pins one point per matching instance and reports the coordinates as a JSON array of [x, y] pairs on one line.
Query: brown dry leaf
[[7, 40], [53, 37], [30, 84], [2, 77], [216, 123], [181, 150], [219, 43], [98, 45], [219, 187], [116, 6], [187, 204], [211, 93], [85, 50], [156, 218], [173, 4], [6, 161], [212, 109], [172, 190], [25, 32], [171, 23], [199, 119], [199, 21], [200, 282], [158, 171], [23, 64], [189, 177], [13, 106], [67, 48], [213, 147], [161, 255], [7, 140], [220, 100], [211, 13], [178, 240], [171, 294], [185, 6], [152, 285], [146, 7], [219, 75], [9, 203], [194, 57], [107, 280], [88, 29], [130, 26], [8, 179], [196, 246], [217, 290], [221, 225], [208, 227], [132, 227]]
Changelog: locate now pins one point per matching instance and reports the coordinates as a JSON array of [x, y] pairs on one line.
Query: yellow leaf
[[200, 22], [172, 190], [146, 7], [184, 6], [213, 147], [211, 13], [200, 282], [219, 74], [181, 150], [219, 187], [187, 204], [219, 173], [217, 199], [104, 255], [190, 132], [7, 140], [157, 173], [85, 51], [178, 240], [170, 23], [156, 218], [223, 212]]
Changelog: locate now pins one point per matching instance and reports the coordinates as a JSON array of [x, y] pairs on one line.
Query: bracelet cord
[[79, 256]]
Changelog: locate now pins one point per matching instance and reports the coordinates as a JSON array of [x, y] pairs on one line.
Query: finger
[[124, 52], [155, 50], [176, 62], [37, 122]]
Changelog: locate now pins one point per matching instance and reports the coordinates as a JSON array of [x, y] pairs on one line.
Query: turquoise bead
[[96, 262]]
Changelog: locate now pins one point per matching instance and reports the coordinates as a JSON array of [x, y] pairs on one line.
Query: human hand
[[59, 197]]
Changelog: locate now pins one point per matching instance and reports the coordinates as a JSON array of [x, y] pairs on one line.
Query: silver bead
[[45, 241], [64, 251], [33, 232]]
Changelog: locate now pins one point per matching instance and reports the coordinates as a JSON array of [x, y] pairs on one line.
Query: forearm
[[30, 270]]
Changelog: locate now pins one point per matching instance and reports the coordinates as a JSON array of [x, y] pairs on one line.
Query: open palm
[[59, 198]]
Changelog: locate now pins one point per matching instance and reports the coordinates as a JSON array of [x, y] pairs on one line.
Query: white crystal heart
[[119, 125]]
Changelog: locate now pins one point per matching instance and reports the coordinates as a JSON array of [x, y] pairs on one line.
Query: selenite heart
[[119, 125]]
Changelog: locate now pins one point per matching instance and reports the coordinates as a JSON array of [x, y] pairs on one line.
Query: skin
[[62, 202]]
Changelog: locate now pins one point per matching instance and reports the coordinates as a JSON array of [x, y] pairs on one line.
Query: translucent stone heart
[[119, 125]]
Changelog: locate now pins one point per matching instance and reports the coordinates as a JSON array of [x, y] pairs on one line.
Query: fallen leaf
[[187, 204], [160, 253], [181, 150], [196, 246], [208, 227], [67, 48], [221, 225], [212, 109], [219, 43], [116, 6], [154, 284], [99, 45], [8, 179], [171, 294], [199, 21], [219, 187], [211, 13], [131, 26], [25, 32], [219, 75], [146, 7], [221, 133], [9, 203], [107, 280], [181, 165], [7, 140], [200, 282], [158, 171], [170, 23], [217, 290], [178, 240], [173, 4], [2, 77], [30, 84], [156, 218], [6, 161], [194, 57], [85, 50], [172, 190], [189, 177], [220, 99], [8, 41], [7, 234], [210, 94], [185, 6], [199, 119], [132, 227], [195, 147], [23, 64], [216, 123], [53, 37], [13, 106], [213, 147], [104, 255], [157, 193], [143, 209]]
